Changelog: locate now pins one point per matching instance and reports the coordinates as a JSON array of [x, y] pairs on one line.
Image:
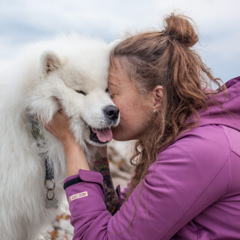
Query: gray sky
[[218, 21]]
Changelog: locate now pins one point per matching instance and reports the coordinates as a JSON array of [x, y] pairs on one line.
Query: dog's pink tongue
[[104, 135]]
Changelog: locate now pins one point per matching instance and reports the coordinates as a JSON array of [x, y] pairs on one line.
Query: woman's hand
[[60, 127], [75, 156]]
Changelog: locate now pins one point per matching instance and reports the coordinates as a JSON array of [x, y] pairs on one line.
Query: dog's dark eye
[[81, 92]]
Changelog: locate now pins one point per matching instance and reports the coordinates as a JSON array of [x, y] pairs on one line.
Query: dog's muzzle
[[104, 135]]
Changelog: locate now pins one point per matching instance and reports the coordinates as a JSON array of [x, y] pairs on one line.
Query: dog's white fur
[[36, 77]]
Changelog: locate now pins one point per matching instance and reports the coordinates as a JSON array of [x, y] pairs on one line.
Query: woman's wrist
[[75, 158], [69, 141]]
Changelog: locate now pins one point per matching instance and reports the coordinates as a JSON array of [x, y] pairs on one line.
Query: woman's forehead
[[119, 64], [116, 71]]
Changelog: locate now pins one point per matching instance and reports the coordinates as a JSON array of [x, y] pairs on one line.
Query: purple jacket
[[191, 192]]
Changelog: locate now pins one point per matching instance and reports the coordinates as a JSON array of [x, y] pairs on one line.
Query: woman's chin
[[120, 134], [122, 137]]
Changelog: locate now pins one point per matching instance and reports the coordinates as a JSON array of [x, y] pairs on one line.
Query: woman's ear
[[158, 95]]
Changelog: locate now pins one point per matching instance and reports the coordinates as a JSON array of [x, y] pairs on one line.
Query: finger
[[41, 119], [62, 112], [61, 109]]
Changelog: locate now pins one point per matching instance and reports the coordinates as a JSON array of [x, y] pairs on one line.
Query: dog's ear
[[49, 62], [113, 44]]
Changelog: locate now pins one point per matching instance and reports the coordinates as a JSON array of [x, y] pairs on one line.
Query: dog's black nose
[[111, 112]]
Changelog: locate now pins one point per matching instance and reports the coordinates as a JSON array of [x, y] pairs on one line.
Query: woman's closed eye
[[110, 93]]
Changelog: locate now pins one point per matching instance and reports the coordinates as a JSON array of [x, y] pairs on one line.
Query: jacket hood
[[227, 112]]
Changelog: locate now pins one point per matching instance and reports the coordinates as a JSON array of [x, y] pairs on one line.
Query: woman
[[186, 184]]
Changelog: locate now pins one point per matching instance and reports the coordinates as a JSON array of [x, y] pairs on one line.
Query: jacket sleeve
[[187, 177]]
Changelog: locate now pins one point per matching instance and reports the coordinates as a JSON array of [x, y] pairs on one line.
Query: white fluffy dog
[[73, 70]]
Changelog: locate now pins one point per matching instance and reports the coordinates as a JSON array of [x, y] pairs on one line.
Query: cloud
[[24, 21]]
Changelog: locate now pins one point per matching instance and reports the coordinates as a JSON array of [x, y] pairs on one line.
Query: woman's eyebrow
[[112, 84]]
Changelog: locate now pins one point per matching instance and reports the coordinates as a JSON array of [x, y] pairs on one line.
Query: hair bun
[[179, 27]]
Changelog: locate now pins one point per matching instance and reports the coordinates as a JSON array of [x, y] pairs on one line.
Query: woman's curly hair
[[166, 58]]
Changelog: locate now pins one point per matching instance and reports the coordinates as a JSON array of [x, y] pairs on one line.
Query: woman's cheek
[[118, 104]]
